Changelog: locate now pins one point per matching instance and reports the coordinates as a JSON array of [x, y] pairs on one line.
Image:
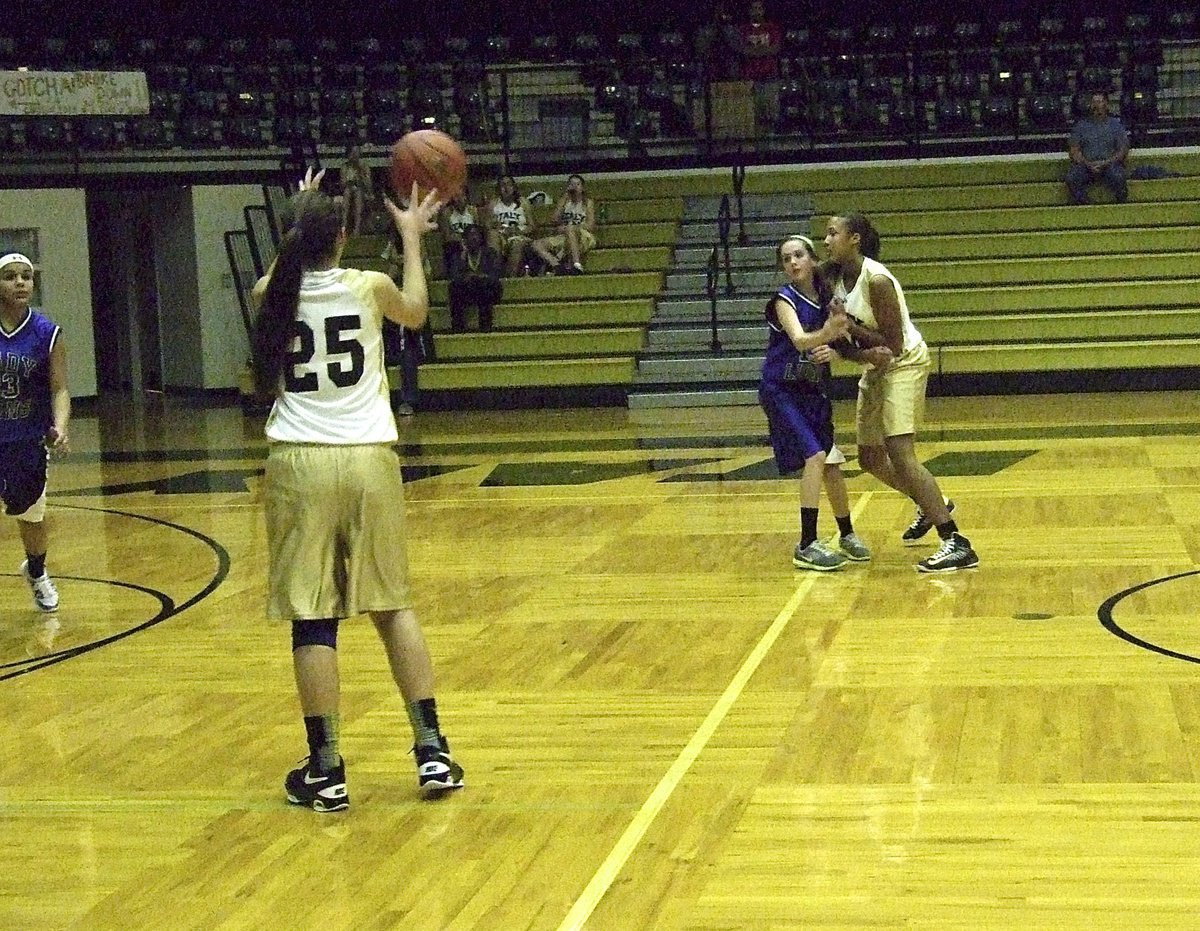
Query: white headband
[[13, 257]]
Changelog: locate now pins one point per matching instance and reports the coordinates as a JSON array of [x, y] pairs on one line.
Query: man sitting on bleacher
[[1099, 146]]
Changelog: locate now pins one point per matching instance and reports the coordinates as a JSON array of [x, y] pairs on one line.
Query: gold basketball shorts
[[335, 530]]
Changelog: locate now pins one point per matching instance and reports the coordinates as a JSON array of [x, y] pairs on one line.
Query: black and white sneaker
[[921, 525], [45, 595], [319, 791], [436, 770], [955, 553]]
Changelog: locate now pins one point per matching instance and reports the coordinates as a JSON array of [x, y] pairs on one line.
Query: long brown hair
[[311, 241]]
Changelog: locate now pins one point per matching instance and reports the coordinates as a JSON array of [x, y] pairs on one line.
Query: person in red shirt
[[757, 41]]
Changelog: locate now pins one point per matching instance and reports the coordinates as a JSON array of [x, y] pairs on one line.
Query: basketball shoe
[[817, 556], [436, 770], [45, 595], [319, 791], [852, 547], [955, 553], [921, 525]]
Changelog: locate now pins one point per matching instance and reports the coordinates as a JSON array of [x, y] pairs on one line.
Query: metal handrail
[[713, 272], [724, 225], [739, 183]]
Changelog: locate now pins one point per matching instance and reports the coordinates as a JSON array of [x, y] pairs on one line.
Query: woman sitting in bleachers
[[575, 230], [509, 224]]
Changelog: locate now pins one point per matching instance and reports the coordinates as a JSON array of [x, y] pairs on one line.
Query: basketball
[[431, 159]]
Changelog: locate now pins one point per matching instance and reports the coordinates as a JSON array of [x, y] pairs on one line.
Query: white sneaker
[[45, 595]]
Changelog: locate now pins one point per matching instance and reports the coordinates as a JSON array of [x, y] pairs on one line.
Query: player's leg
[[302, 587], [25, 467], [955, 551], [378, 573], [320, 782], [412, 669], [849, 543], [810, 552], [872, 453]]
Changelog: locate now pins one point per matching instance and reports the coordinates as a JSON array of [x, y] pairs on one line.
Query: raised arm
[[408, 304]]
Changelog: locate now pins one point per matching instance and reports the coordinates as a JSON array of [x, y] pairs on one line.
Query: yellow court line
[[600, 883]]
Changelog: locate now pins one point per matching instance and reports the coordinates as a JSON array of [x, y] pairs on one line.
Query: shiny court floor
[[664, 724]]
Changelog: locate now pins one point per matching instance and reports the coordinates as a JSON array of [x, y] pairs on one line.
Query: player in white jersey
[[509, 224], [334, 498], [891, 398], [575, 230]]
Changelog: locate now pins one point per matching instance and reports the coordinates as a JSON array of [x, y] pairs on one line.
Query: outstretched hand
[[415, 217], [311, 182]]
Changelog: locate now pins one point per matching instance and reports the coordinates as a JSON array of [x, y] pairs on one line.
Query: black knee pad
[[318, 633]]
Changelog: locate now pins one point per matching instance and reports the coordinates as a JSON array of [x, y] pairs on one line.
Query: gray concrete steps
[[667, 339], [746, 282], [759, 256], [754, 206], [682, 310], [758, 232], [678, 366], [700, 368]]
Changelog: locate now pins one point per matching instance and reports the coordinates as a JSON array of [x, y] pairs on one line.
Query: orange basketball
[[433, 160]]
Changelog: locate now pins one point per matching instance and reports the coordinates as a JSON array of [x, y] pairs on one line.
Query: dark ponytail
[[311, 241], [868, 237]]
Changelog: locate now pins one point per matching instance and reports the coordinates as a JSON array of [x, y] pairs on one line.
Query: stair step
[[745, 281], [675, 339], [758, 232], [730, 397], [700, 368]]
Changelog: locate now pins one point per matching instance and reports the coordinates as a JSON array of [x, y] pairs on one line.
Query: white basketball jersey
[[574, 214], [510, 216], [457, 222], [335, 386], [858, 301]]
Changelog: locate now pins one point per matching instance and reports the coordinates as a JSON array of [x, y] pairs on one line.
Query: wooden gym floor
[[663, 724]]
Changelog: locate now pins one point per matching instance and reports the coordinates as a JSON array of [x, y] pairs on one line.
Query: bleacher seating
[[922, 82], [1012, 287]]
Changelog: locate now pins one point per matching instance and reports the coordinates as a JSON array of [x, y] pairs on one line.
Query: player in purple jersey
[[35, 408], [802, 323]]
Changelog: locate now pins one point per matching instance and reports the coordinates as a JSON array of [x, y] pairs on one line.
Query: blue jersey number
[[342, 373]]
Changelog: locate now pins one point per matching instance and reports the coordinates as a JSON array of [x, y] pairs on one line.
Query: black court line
[[1105, 613], [167, 610]]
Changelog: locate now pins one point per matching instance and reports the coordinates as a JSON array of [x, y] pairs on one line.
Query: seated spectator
[[1098, 146], [575, 230], [474, 281], [509, 225], [455, 217]]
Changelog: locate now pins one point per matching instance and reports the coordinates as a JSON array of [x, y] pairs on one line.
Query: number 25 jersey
[[335, 387]]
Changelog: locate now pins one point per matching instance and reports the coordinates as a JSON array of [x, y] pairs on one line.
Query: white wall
[[60, 217], [225, 348]]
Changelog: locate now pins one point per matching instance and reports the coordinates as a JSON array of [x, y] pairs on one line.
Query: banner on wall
[[73, 93]]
